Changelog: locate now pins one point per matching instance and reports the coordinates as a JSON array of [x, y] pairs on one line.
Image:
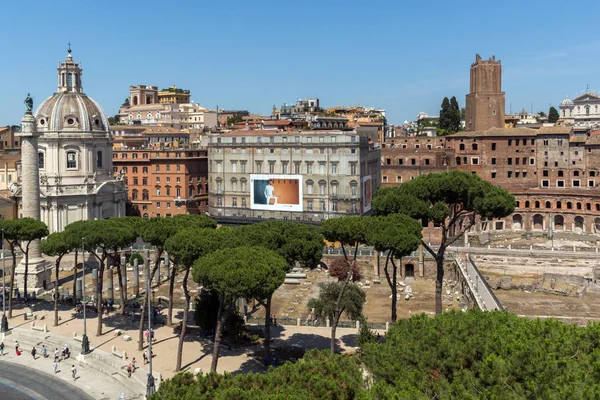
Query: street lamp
[[150, 388], [4, 324], [85, 344]]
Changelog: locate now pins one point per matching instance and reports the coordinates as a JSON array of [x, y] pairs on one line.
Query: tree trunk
[[267, 343], [75, 279], [333, 329], [56, 294], [338, 305], [221, 318], [122, 286], [99, 299], [159, 252], [12, 280], [141, 331], [185, 319], [173, 273], [438, 284], [391, 284]]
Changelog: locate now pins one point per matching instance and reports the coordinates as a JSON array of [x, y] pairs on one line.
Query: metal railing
[[482, 293]]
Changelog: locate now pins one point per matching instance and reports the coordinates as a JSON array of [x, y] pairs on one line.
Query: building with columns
[[74, 157]]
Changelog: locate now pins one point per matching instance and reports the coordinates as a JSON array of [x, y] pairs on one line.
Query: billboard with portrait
[[276, 192], [367, 193]]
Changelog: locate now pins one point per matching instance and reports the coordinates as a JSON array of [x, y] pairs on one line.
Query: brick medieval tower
[[486, 101]]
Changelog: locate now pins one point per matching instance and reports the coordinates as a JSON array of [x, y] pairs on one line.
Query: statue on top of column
[[28, 103]]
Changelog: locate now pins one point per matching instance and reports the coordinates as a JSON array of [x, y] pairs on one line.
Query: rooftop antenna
[[69, 44]]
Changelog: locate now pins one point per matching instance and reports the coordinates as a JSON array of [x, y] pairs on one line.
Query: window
[[576, 183], [144, 170], [168, 190], [321, 168], [334, 168], [510, 142], [474, 146], [322, 205], [234, 202], [158, 204], [99, 162], [168, 167], [144, 181], [243, 167], [591, 183], [309, 205], [537, 204], [271, 167], [243, 202], [509, 174], [413, 161], [177, 167], [334, 205], [309, 188], [517, 160], [145, 195], [284, 168], [41, 160], [134, 170], [493, 146], [158, 179], [575, 173], [427, 161], [178, 190], [531, 161], [560, 142], [545, 172], [462, 146], [157, 169], [259, 167], [71, 160], [168, 204], [297, 168], [558, 204], [158, 191], [493, 161], [560, 183], [322, 188], [352, 168], [510, 161], [474, 160], [135, 180], [549, 205], [134, 194], [493, 175], [309, 167], [560, 173]]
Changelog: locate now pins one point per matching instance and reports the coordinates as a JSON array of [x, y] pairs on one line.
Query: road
[[22, 383]]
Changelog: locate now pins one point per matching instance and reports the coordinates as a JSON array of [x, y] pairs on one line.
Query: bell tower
[[485, 103], [69, 75]]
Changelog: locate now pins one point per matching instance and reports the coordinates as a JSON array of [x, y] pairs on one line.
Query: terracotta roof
[[593, 140], [516, 132], [266, 132], [578, 139], [285, 122]]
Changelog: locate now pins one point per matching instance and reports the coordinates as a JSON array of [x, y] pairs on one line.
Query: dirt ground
[[290, 301]]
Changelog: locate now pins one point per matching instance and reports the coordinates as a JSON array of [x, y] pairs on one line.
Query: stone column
[[110, 295], [39, 270], [136, 278], [95, 283], [78, 289]]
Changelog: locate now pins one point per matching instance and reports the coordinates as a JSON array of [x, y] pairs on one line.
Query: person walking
[[55, 367], [2, 349], [145, 357], [56, 355], [33, 352], [73, 372], [44, 351], [17, 351]]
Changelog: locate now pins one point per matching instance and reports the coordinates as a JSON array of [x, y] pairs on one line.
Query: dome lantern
[[69, 75]]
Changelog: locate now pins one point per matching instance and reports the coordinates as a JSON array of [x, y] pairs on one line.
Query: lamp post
[[85, 344], [4, 324], [150, 388]]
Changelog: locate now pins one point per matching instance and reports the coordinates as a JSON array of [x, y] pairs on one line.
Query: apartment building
[[291, 175], [163, 181]]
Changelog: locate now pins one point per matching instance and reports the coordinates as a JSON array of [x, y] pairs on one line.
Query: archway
[[559, 223], [517, 222], [135, 100], [409, 270], [538, 222], [579, 226]]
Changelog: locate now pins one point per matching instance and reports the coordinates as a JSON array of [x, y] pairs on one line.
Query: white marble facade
[[74, 156]]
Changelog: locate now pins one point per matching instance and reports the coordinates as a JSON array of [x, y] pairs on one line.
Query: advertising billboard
[[367, 193], [276, 192]]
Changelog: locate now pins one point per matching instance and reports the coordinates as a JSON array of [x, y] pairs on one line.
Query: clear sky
[[404, 56]]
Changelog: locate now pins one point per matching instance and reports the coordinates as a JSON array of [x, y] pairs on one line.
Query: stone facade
[[485, 102], [73, 157], [582, 112], [339, 172]]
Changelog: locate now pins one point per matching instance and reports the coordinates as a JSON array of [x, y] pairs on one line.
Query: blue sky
[[404, 56]]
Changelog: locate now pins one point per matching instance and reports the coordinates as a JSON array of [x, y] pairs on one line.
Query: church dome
[[567, 102], [70, 110]]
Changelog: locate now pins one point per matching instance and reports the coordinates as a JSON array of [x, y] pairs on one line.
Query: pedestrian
[[145, 357], [18, 296], [55, 367], [73, 372], [132, 315], [147, 334], [2, 349], [133, 362], [33, 352], [56, 355], [129, 370], [17, 351], [44, 351]]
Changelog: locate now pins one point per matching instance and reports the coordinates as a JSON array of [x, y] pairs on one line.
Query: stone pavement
[[197, 350]]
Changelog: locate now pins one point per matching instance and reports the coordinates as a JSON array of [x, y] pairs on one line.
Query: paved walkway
[[197, 350]]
